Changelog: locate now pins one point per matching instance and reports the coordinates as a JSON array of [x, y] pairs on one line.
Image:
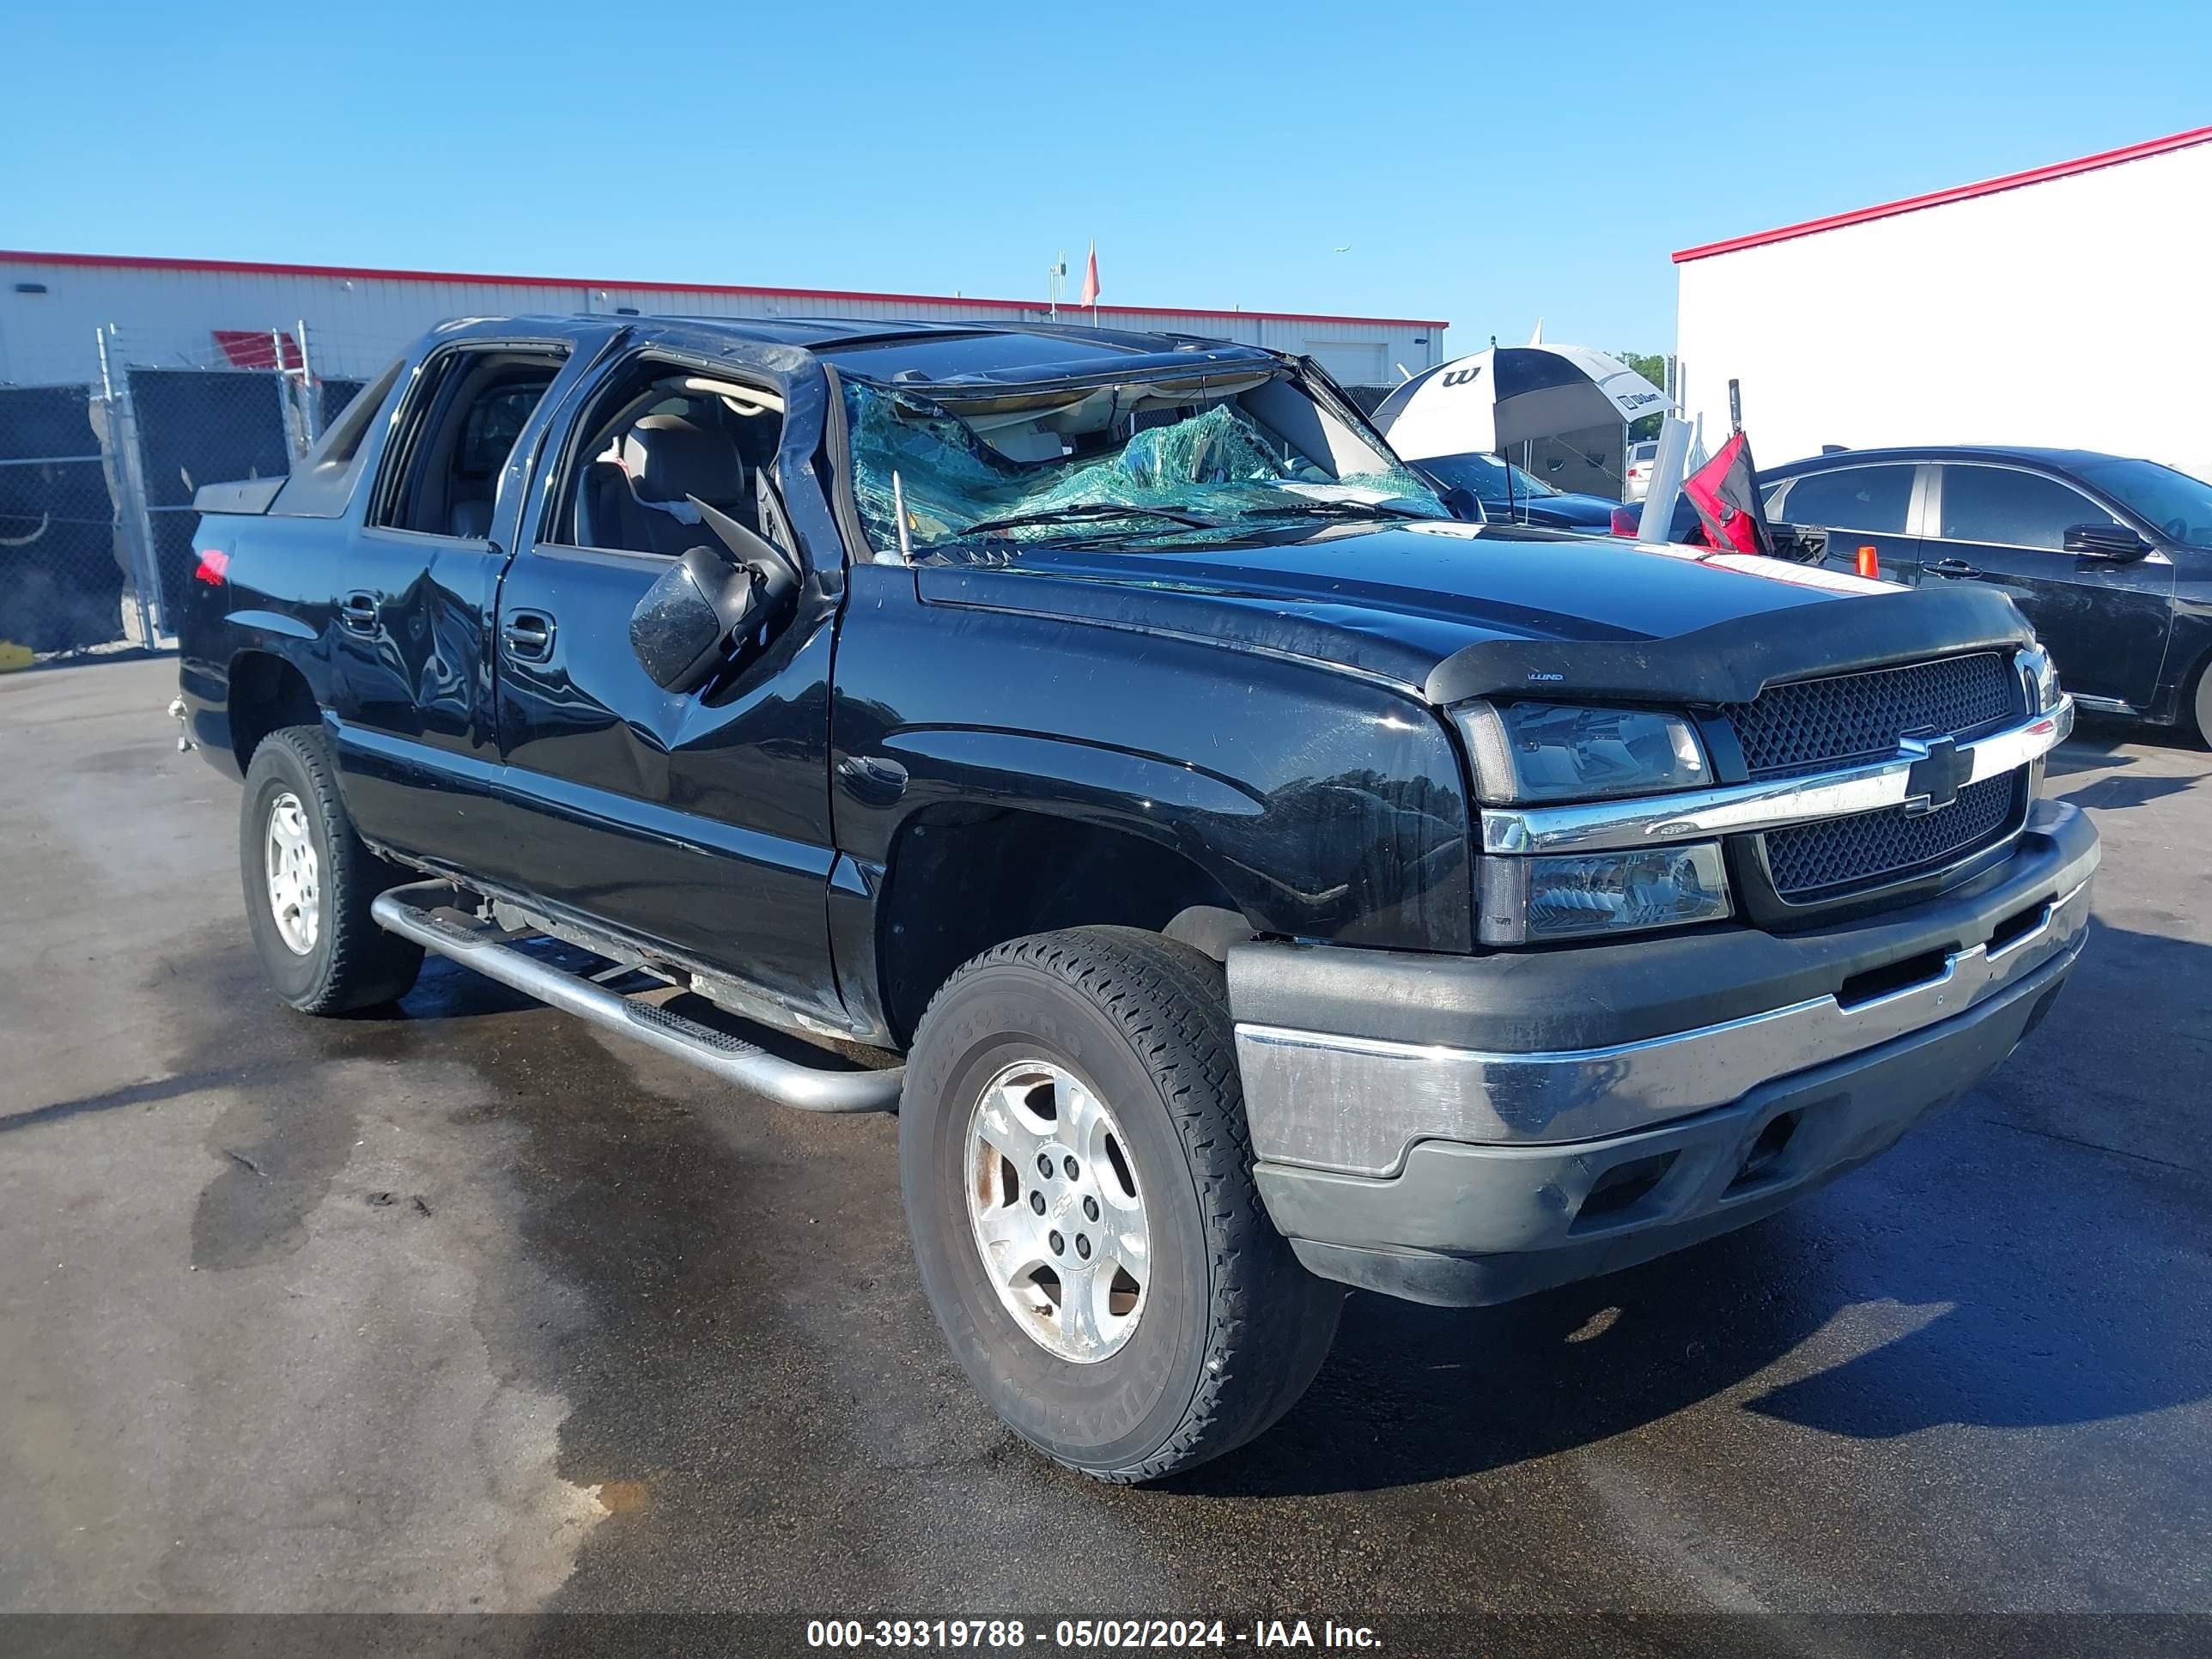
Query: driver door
[[695, 822], [2104, 621]]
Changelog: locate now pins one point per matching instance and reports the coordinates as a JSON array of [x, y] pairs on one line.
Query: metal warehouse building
[[2062, 306], [178, 313]]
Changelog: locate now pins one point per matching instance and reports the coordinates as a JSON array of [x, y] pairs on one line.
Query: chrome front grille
[[1833, 857], [1812, 725], [1808, 725]]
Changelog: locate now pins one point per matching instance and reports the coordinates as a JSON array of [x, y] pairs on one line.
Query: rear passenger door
[[2104, 621], [1859, 506], [409, 629]]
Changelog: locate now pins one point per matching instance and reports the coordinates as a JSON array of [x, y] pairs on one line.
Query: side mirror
[[707, 605], [694, 618], [1464, 505], [2106, 541]]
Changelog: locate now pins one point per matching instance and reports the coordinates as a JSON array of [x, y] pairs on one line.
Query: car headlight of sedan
[[1538, 753]]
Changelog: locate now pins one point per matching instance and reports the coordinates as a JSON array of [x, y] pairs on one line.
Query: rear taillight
[[214, 565], [1627, 521]]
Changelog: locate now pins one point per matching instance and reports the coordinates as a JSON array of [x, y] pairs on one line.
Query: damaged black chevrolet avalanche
[[1244, 879]]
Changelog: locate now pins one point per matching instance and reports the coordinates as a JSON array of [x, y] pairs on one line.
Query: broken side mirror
[[708, 605], [692, 619]]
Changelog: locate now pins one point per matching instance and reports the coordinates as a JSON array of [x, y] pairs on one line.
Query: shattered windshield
[[1105, 463]]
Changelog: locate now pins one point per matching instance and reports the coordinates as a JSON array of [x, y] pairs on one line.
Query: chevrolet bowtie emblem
[[1938, 770]]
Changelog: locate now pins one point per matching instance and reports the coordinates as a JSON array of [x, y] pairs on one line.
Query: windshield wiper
[[1082, 512], [1334, 509]]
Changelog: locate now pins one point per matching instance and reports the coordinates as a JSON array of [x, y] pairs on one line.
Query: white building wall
[[166, 315], [2069, 313]]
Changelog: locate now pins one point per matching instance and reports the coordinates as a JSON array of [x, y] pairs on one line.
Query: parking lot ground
[[464, 1307]]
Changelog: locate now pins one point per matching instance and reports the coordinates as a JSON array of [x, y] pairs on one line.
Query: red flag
[[1091, 277], [1725, 492]]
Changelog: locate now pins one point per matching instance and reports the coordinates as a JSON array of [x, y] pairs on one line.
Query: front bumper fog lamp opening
[[1528, 900]]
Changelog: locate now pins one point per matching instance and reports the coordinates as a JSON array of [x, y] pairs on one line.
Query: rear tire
[[309, 882], [2202, 703], [1113, 1044]]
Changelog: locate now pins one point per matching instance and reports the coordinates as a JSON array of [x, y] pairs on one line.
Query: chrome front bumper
[[1469, 1129], [1466, 1225], [1334, 1101]]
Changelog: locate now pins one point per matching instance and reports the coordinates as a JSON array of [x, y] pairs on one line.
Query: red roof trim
[[252, 268], [1956, 193]]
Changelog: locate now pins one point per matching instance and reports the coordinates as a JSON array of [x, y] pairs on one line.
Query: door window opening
[[657, 442], [465, 413]]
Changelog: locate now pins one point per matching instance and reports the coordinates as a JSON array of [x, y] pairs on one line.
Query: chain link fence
[[96, 481], [66, 571]]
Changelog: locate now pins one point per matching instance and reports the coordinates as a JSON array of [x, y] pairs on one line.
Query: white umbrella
[[1483, 404]]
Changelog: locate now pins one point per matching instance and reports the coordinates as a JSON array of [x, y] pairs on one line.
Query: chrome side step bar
[[419, 912]]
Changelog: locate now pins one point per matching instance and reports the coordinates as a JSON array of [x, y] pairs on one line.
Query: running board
[[415, 913]]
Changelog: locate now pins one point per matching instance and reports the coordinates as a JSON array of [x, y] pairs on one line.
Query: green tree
[[1653, 367]]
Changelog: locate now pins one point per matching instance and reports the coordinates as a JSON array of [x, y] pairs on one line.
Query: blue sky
[[1486, 164]]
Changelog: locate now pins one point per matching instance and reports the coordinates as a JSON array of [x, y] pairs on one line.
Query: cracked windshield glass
[[1131, 460]]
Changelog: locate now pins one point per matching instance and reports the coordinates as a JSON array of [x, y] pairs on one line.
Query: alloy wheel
[[1057, 1214]]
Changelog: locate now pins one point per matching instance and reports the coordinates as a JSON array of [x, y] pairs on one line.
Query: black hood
[[1403, 600]]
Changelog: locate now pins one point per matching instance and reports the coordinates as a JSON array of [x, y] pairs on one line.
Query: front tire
[[309, 882], [1078, 1180]]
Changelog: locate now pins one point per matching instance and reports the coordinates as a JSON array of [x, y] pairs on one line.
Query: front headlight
[[1527, 753], [2042, 676], [1528, 900], [1544, 751]]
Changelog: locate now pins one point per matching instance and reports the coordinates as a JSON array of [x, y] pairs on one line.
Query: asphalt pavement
[[465, 1307]]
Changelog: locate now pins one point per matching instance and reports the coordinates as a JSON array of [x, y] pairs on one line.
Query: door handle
[[1950, 567], [358, 611], [528, 636]]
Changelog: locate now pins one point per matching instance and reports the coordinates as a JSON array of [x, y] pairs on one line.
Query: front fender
[[1329, 806]]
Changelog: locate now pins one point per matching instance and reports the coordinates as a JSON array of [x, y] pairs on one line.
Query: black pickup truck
[[1244, 879]]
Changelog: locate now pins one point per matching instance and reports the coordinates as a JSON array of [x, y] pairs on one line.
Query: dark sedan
[[1534, 501], [2110, 558]]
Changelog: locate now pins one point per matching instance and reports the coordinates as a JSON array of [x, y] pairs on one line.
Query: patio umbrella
[[1488, 401]]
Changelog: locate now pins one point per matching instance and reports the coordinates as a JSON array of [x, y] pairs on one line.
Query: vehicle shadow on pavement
[[2115, 793], [2101, 734], [2022, 1238]]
